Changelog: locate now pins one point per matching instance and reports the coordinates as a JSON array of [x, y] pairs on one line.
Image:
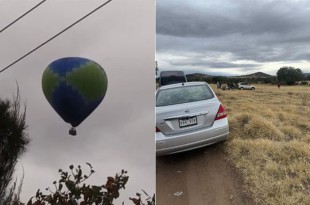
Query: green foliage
[[149, 201], [289, 75], [13, 142], [304, 83], [232, 79], [271, 80], [198, 77], [70, 189]]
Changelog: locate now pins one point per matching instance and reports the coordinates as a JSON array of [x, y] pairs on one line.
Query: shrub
[[303, 83], [70, 189]]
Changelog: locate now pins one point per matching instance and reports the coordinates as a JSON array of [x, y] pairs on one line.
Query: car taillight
[[221, 113], [157, 130]]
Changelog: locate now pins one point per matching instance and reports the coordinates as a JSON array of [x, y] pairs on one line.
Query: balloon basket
[[72, 131]]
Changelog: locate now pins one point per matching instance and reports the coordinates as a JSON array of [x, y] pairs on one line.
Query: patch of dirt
[[199, 177]]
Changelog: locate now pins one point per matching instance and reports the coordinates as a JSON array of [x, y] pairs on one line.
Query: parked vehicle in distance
[[171, 77], [245, 86], [229, 86], [188, 116]]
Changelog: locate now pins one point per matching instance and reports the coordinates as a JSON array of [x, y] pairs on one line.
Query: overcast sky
[[233, 37], [119, 134]]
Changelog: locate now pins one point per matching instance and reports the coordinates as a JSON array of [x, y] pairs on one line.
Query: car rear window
[[172, 80], [184, 94]]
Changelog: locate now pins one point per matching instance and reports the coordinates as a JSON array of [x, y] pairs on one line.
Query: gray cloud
[[256, 31], [200, 61], [244, 17], [215, 64]]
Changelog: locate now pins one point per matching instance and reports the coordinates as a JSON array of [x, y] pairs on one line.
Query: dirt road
[[198, 177]]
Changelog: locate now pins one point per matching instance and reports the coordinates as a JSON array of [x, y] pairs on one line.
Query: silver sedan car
[[188, 116]]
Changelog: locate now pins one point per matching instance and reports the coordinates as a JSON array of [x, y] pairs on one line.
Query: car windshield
[[184, 94]]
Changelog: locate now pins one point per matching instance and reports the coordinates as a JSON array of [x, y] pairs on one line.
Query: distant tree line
[[285, 75], [227, 79]]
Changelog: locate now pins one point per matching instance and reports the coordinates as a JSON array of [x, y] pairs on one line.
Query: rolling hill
[[255, 75]]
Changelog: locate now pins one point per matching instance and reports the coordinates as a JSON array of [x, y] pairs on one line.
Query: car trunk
[[174, 119]]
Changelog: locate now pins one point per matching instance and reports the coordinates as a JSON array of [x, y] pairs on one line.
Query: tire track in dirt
[[198, 177]]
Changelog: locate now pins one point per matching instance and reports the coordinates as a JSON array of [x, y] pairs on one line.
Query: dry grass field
[[269, 142]]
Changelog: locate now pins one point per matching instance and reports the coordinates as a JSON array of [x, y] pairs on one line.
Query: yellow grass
[[270, 141]]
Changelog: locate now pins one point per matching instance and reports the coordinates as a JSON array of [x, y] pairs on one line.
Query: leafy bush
[[70, 189], [289, 75], [303, 83], [13, 143]]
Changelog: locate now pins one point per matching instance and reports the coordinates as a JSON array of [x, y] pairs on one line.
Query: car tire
[[253, 88], [242, 88]]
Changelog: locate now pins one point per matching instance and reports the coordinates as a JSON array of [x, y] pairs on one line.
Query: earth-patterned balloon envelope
[[74, 87]]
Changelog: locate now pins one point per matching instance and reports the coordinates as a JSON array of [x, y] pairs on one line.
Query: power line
[[22, 16], [67, 28]]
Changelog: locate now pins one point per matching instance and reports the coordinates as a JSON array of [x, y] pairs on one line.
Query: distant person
[[279, 85], [218, 85]]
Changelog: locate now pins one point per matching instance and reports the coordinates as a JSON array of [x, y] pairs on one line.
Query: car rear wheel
[[242, 88], [253, 88]]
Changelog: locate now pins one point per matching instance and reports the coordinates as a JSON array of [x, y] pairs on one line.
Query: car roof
[[181, 84], [172, 72]]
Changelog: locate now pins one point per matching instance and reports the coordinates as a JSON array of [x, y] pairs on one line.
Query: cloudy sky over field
[[233, 37], [119, 134]]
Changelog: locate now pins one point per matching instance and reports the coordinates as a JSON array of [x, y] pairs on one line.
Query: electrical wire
[[50, 39], [22, 16]]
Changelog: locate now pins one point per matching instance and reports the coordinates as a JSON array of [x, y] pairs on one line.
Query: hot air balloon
[[74, 87]]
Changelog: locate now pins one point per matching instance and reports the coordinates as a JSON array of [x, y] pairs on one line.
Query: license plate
[[184, 122]]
